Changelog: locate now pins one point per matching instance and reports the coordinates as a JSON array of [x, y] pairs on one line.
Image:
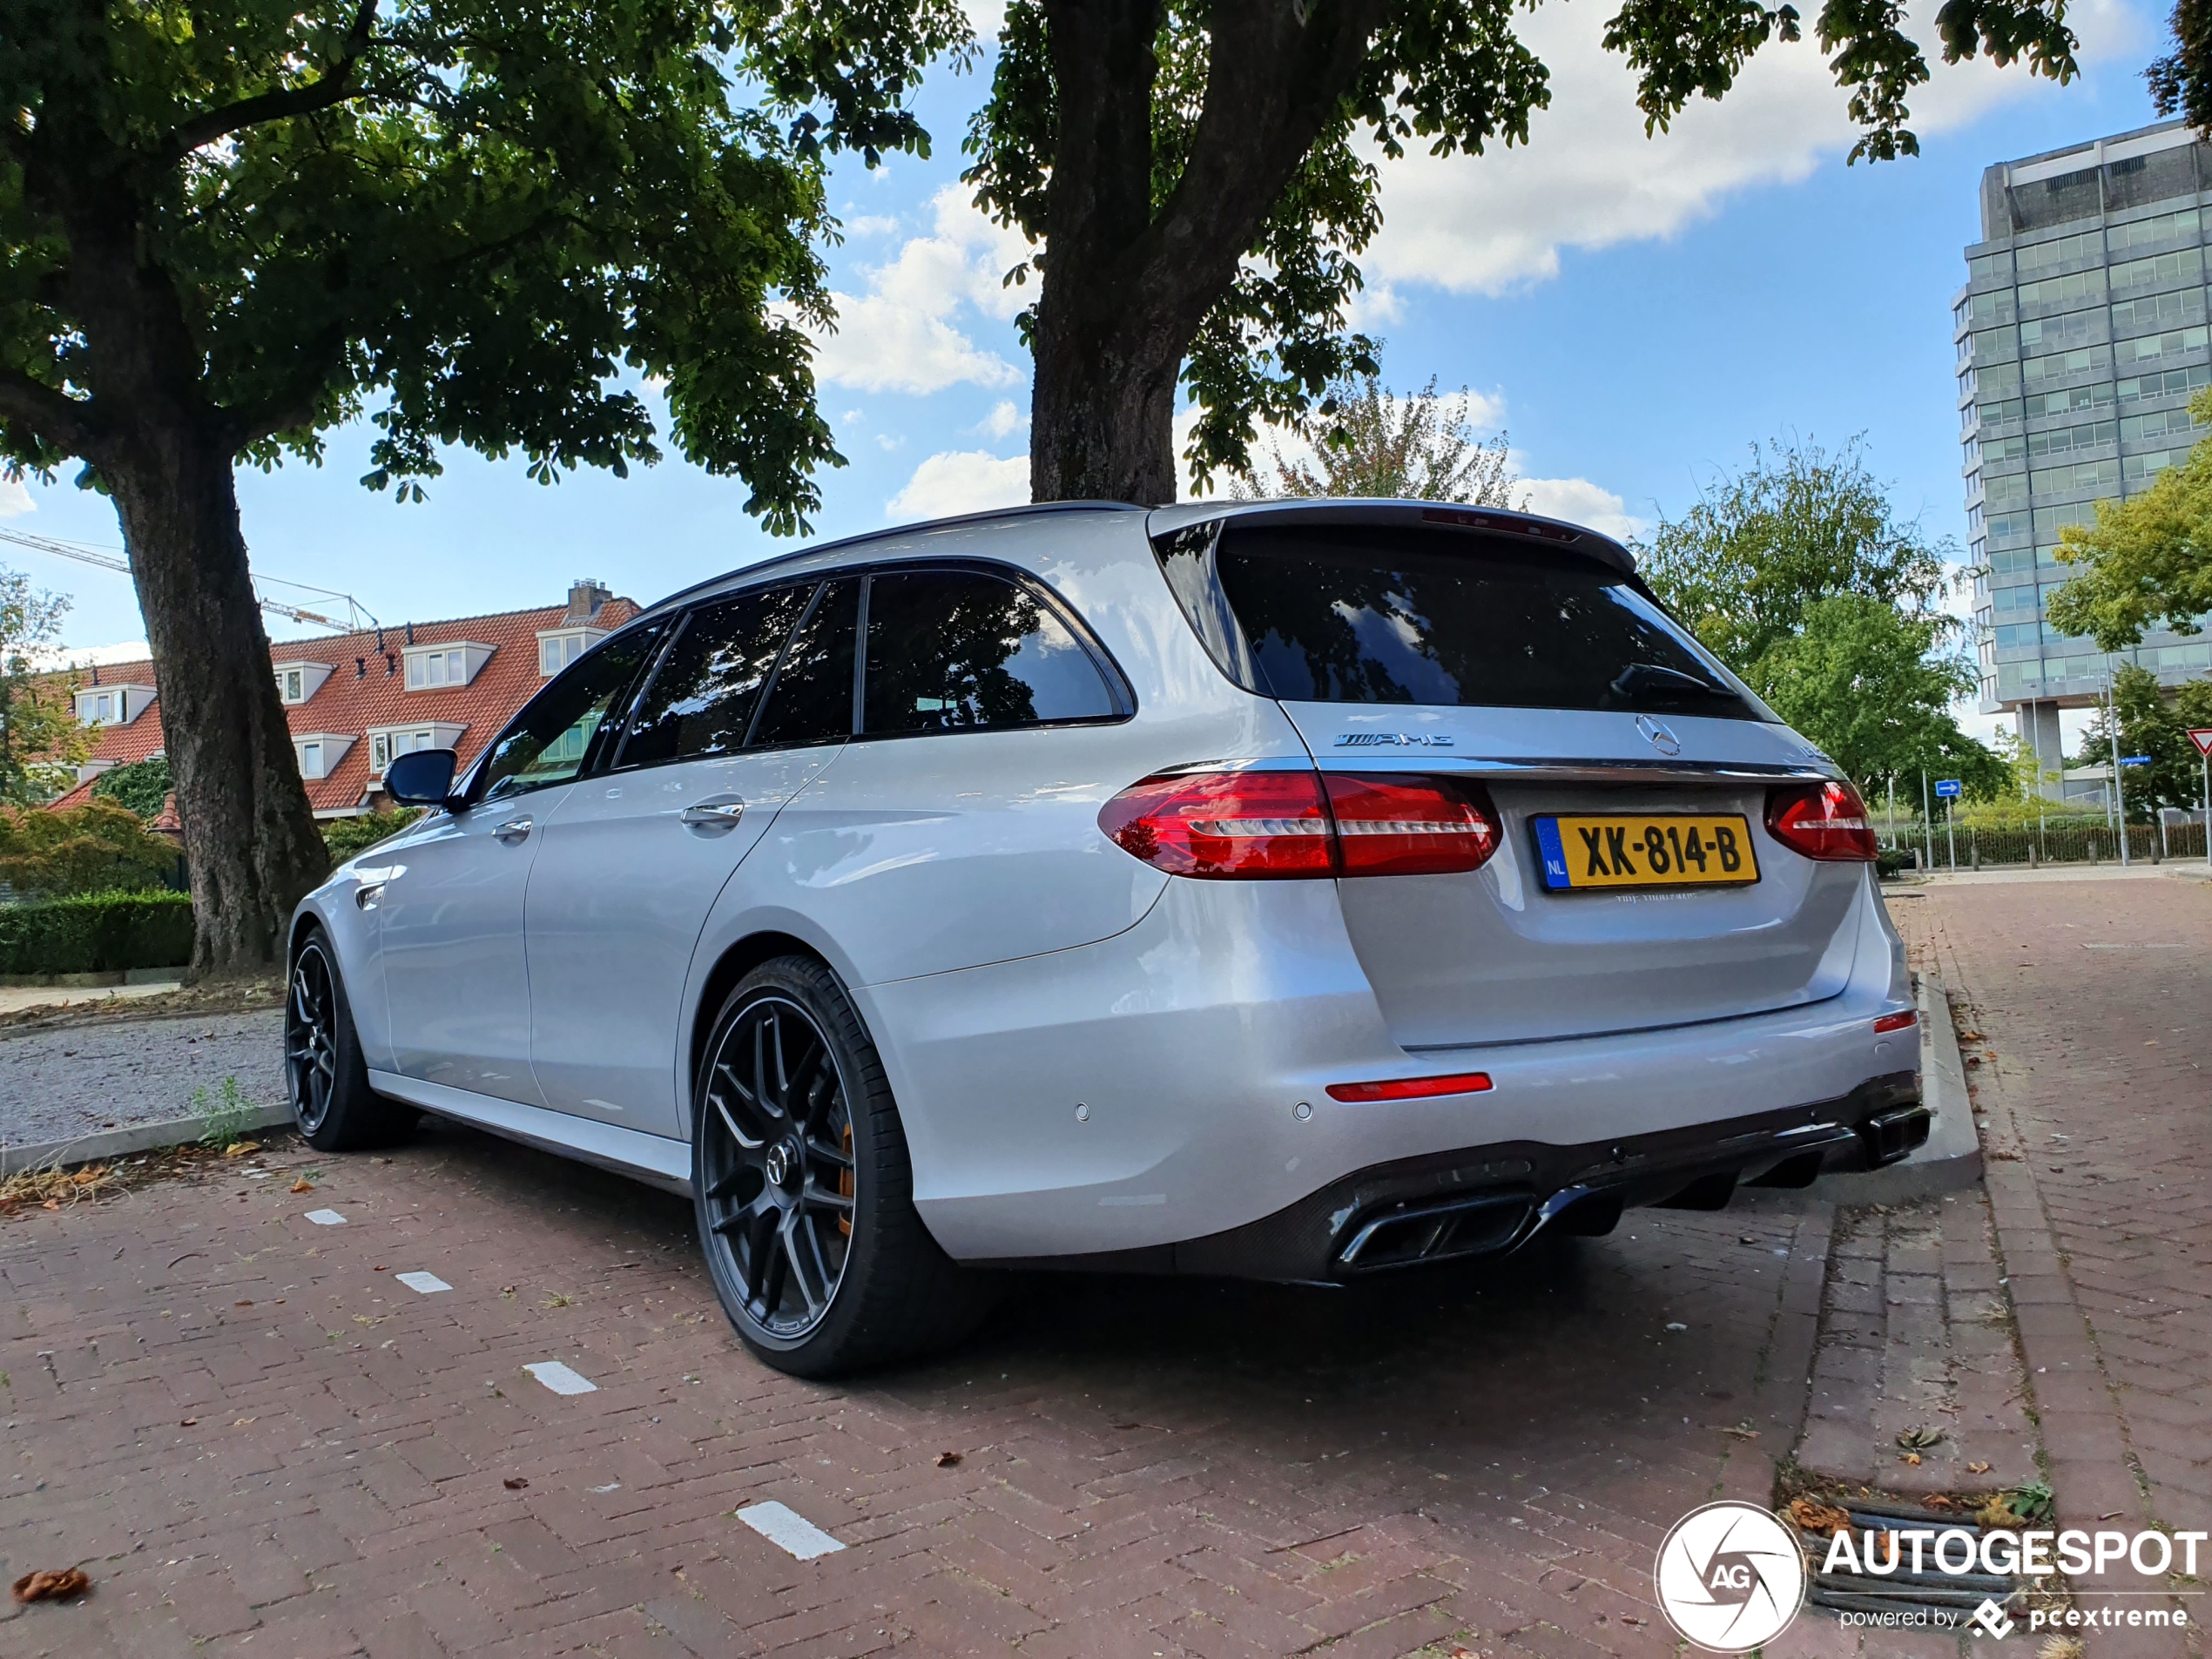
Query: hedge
[[97, 933]]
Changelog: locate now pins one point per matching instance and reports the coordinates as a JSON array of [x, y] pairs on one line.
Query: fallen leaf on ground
[[1997, 1515], [1941, 1503], [515, 1482], [188, 1422], [239, 1149], [1741, 1432], [1913, 1458], [303, 1185], [947, 1460], [2060, 1647], [1815, 1516], [241, 1304], [52, 1585], [1920, 1438], [1977, 1468], [242, 1422]]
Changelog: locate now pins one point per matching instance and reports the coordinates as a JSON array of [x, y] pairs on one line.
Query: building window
[[292, 685], [556, 652], [426, 668], [311, 760]]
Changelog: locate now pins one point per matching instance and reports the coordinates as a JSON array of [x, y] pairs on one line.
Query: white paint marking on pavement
[[560, 1379], [787, 1529], [326, 1218], [428, 1284]]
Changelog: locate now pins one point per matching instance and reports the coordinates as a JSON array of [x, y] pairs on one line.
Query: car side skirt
[[658, 1160]]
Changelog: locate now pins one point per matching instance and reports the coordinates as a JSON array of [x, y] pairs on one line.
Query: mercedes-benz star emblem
[[1659, 734], [779, 1164], [1729, 1577]]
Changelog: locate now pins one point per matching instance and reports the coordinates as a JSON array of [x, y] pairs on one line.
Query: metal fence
[[2068, 843]]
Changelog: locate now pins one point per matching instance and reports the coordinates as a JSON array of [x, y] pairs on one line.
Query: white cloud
[[15, 499], [1590, 178], [1580, 501], [962, 481], [871, 225], [901, 334], [128, 650], [1004, 419]]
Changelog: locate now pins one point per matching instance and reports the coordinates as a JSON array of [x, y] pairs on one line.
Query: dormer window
[[112, 704], [431, 668], [386, 741], [558, 647], [319, 753], [297, 681]]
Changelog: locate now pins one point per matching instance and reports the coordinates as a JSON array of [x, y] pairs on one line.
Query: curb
[[138, 1137], [101, 980], [1951, 1161]]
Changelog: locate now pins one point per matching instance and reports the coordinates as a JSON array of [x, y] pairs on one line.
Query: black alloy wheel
[[777, 1153], [311, 1038]]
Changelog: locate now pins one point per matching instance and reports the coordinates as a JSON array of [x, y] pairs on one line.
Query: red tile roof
[[366, 691]]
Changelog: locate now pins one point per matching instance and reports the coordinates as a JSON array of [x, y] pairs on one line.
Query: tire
[[803, 1189], [325, 1074]]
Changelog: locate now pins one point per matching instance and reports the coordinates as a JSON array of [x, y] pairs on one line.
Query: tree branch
[[334, 87], [54, 417]]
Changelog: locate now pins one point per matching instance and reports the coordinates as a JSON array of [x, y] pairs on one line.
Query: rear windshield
[[1343, 614]]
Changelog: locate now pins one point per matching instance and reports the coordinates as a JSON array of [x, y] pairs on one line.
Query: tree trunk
[[250, 839], [1127, 282]]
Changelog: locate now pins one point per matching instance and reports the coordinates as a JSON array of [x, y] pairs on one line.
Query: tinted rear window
[[1345, 615]]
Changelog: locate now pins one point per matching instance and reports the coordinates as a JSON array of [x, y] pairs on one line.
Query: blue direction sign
[[2135, 760], [1946, 787]]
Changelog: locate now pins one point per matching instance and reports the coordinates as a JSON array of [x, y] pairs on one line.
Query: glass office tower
[[2082, 334]]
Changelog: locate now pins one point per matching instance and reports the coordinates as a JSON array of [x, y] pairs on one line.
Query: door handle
[[513, 831], [715, 813]]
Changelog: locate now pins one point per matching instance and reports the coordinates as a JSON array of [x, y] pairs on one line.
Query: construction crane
[[107, 560]]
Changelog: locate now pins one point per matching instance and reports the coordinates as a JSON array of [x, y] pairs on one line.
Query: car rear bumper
[[1170, 1085], [1488, 1200]]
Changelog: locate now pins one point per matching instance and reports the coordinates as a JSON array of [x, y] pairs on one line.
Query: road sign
[[2135, 760], [1946, 787], [2203, 739]]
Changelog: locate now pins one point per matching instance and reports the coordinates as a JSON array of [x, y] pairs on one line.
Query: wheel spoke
[[825, 1152], [808, 1271], [822, 1199], [731, 1124]]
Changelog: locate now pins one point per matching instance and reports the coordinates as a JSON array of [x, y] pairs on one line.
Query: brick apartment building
[[355, 700]]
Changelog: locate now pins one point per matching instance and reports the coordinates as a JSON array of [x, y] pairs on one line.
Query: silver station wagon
[[1301, 891]]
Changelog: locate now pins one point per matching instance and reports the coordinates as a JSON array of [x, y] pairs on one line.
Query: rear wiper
[[1654, 676]]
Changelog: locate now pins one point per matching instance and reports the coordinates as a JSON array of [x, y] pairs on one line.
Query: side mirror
[[421, 777]]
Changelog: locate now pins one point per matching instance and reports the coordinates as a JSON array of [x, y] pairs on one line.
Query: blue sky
[[1634, 313]]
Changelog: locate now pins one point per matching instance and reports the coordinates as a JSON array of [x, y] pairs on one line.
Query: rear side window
[[702, 702], [811, 700], [961, 651], [1349, 614]]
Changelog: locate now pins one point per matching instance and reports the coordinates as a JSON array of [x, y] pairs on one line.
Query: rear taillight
[[1264, 825], [1824, 821], [1462, 1082], [1388, 826]]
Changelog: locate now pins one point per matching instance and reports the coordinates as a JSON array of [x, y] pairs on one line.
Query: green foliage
[[228, 1117], [1796, 526], [143, 786], [481, 222], [2154, 724], [346, 836], [1450, 74], [40, 739], [100, 846], [1375, 445], [2146, 562], [1867, 683], [97, 933]]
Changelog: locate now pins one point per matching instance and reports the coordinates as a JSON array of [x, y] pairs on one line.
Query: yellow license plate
[[1647, 850]]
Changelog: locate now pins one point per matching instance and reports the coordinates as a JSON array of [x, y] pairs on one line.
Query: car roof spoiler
[[1416, 514]]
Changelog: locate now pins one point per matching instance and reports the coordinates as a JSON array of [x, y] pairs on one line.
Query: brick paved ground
[[1916, 1332], [1146, 1468], [2092, 1003]]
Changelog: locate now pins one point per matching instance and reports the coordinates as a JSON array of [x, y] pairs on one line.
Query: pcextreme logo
[[1729, 1577]]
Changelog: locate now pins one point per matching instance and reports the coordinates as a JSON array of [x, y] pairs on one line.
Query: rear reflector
[[1824, 821], [1465, 1082], [1895, 1021], [1274, 825]]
